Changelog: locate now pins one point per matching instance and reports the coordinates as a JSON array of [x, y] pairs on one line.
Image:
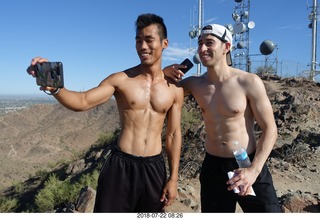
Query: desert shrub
[[8, 204], [190, 117], [105, 138], [54, 193], [57, 193]]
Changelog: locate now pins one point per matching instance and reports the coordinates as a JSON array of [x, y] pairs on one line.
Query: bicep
[[174, 114], [260, 103], [100, 94]]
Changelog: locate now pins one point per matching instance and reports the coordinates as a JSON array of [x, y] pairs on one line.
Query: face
[[149, 46], [211, 49]]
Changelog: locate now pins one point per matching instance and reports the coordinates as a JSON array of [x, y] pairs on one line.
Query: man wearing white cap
[[231, 101]]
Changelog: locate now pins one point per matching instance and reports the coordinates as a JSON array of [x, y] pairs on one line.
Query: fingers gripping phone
[[49, 74], [187, 63]]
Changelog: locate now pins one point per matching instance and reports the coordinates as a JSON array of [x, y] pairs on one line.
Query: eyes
[[146, 39], [207, 43]]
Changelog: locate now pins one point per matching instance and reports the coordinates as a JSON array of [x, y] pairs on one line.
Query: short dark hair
[[145, 20]]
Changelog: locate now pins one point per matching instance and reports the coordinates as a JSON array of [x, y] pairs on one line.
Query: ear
[[165, 43], [228, 46]]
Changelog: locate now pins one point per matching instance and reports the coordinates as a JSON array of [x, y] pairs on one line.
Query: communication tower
[[240, 30], [313, 17]]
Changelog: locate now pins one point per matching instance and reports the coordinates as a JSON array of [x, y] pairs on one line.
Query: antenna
[[194, 32], [313, 16], [241, 29]]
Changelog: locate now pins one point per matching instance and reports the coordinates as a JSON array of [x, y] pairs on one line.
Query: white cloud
[[174, 53]]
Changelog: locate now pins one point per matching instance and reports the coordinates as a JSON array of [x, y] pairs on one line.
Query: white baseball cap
[[222, 33]]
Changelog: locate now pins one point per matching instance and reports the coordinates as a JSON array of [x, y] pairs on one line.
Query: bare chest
[[220, 100], [143, 95]]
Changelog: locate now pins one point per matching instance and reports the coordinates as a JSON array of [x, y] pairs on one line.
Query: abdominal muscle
[[141, 132], [222, 135]]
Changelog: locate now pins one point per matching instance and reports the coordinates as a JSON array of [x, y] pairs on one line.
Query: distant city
[[13, 103]]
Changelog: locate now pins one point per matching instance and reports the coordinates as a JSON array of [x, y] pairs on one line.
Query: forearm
[[71, 100], [264, 148], [173, 149]]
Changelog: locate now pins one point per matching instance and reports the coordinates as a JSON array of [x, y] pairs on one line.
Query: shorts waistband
[[135, 158], [226, 159]]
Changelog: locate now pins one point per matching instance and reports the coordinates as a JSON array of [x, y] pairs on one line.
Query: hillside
[[42, 137]]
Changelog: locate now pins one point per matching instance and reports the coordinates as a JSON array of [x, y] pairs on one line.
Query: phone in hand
[[49, 74], [187, 63]]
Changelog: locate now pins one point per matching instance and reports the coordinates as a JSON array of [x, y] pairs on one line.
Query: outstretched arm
[[78, 101]]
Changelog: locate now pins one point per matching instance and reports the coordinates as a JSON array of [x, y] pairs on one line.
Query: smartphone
[[49, 74], [187, 63]]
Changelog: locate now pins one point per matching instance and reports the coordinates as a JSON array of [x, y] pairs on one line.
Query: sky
[[95, 38]]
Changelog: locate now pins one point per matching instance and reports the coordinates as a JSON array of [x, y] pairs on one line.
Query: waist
[[117, 151]]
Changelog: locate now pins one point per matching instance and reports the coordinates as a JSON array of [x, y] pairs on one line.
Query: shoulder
[[192, 80], [251, 83], [248, 79]]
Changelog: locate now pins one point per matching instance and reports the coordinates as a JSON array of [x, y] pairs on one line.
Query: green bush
[[189, 118], [8, 205], [56, 193]]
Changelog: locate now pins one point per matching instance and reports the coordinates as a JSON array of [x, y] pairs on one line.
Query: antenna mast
[[200, 16], [313, 18]]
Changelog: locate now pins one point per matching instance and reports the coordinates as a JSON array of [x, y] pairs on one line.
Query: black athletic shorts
[[129, 183], [215, 196]]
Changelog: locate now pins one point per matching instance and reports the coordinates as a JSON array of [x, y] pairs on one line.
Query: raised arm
[[79, 101]]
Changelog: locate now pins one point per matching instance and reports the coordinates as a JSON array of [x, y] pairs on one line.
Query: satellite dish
[[310, 25], [235, 16], [230, 28], [196, 59], [245, 14], [267, 47], [239, 27], [192, 34], [251, 24], [241, 45], [238, 1]]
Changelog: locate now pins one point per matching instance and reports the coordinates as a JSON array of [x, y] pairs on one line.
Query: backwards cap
[[222, 33]]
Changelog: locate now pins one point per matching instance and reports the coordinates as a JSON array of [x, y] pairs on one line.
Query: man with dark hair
[[133, 178], [231, 101]]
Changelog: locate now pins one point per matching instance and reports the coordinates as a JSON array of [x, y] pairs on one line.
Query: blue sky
[[94, 38]]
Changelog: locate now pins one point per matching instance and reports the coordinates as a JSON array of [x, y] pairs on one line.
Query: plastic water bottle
[[242, 157]]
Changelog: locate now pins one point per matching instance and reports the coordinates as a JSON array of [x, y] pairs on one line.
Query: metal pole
[[199, 30], [314, 14]]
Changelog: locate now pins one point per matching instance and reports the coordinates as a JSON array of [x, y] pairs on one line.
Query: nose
[[142, 45], [202, 48]]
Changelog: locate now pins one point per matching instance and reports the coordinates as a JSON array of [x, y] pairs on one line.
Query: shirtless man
[[231, 100], [134, 177]]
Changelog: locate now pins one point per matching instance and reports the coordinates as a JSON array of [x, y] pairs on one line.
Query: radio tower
[[241, 30], [195, 32], [313, 16]]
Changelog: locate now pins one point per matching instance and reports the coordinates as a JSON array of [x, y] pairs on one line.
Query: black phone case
[[187, 63], [50, 74]]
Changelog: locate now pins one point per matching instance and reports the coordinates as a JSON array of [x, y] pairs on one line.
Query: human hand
[[169, 193], [174, 72], [31, 71], [242, 180]]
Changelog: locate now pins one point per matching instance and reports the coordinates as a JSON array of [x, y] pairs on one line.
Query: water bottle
[[243, 161], [242, 157]]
